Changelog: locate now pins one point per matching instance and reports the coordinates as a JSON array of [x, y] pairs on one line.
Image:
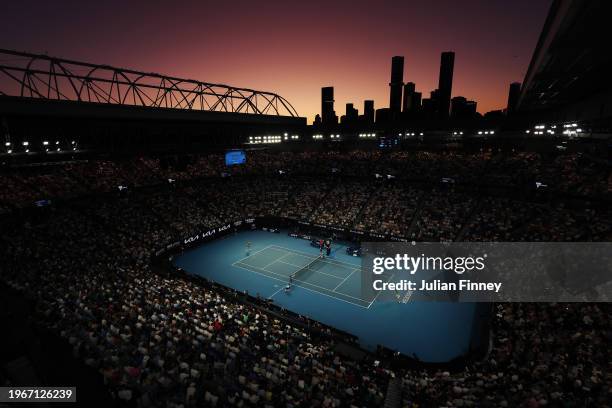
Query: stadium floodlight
[[574, 124], [9, 151], [7, 144], [421, 134], [58, 149], [57, 142], [73, 142], [480, 132], [459, 133], [27, 150], [26, 143], [45, 143], [492, 132], [74, 149], [578, 130], [47, 149], [527, 131]]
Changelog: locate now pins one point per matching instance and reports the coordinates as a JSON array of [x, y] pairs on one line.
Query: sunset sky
[[293, 48]]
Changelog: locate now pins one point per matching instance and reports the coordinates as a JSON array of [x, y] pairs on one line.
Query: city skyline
[[295, 51]]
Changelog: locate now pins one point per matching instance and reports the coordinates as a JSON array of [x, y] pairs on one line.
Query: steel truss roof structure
[[43, 77]]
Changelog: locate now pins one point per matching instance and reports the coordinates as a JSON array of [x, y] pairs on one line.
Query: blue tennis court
[[327, 276], [329, 290]]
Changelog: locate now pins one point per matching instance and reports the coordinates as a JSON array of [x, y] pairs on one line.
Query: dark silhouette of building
[[458, 107], [408, 100], [461, 108], [328, 115], [470, 107], [368, 112], [351, 115], [397, 81], [317, 120], [445, 82], [494, 115], [513, 97], [429, 106], [416, 101], [383, 116]]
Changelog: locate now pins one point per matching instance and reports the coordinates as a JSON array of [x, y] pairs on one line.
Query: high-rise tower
[[328, 116], [408, 101], [397, 81], [445, 83], [513, 97]]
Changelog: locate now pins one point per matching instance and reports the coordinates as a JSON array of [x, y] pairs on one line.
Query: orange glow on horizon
[[295, 49]]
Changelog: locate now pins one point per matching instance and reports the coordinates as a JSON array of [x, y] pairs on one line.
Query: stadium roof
[[572, 61]]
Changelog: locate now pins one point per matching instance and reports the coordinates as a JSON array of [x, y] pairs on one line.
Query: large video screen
[[235, 157]]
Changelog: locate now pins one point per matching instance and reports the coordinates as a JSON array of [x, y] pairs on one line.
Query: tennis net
[[300, 272]]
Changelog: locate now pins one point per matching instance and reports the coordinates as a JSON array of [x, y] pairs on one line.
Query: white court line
[[379, 292], [254, 253], [344, 280], [274, 294], [308, 269], [276, 260], [312, 259], [311, 284], [308, 289], [329, 261], [316, 286]]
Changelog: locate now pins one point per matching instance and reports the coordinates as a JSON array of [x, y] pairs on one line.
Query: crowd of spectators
[[572, 173], [167, 341], [390, 210], [542, 355]]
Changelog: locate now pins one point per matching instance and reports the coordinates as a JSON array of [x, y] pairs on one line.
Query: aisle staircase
[[393, 398]]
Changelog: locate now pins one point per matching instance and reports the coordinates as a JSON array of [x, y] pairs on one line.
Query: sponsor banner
[[487, 272], [207, 234]]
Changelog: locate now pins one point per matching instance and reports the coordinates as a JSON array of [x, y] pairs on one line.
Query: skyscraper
[[397, 81], [328, 116], [513, 96], [416, 101], [407, 103], [368, 112], [351, 113], [445, 82]]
